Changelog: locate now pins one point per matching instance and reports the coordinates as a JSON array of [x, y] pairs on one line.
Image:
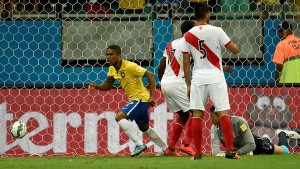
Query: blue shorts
[[137, 111]]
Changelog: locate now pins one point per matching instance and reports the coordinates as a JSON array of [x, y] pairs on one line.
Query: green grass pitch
[[151, 162]]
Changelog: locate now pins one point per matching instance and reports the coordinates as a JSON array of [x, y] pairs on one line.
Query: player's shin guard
[[197, 134], [177, 128], [156, 138], [226, 128], [131, 131]]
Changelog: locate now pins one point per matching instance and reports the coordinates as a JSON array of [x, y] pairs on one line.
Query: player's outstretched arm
[[233, 48], [151, 81], [107, 85], [187, 73]]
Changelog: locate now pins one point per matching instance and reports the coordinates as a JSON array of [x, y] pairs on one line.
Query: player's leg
[[154, 136], [282, 147], [169, 92], [218, 94], [143, 123], [176, 131], [198, 97], [129, 111], [178, 102], [265, 146], [186, 140], [289, 134]]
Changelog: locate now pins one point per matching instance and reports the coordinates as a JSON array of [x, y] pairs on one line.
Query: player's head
[[186, 26], [113, 55], [284, 29], [214, 116], [201, 11]]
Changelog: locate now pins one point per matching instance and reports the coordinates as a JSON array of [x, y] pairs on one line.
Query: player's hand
[[228, 69], [92, 86], [236, 156], [151, 101]]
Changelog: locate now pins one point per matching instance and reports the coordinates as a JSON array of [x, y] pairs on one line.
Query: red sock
[[177, 128], [197, 133], [188, 135], [226, 128]]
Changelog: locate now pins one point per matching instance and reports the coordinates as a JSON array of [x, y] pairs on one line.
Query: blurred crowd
[[10, 7]]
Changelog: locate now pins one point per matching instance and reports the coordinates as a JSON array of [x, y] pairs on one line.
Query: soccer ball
[[18, 129]]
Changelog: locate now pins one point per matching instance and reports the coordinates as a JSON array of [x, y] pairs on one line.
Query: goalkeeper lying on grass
[[244, 141]]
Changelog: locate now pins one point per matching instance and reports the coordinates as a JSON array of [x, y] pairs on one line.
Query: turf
[[151, 162]]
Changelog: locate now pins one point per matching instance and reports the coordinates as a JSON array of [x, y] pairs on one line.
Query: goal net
[[51, 50]]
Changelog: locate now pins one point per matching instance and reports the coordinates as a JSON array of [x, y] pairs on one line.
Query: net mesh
[[50, 50]]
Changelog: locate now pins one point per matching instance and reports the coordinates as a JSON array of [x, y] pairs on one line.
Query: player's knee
[[183, 117], [144, 127], [198, 113], [120, 116]]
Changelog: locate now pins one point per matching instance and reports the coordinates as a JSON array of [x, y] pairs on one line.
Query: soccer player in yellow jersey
[[129, 75]]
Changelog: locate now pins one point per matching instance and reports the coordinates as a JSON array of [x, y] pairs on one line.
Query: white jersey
[[174, 63], [204, 43]]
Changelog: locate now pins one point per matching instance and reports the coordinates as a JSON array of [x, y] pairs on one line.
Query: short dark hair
[[186, 26], [284, 25], [200, 10], [116, 48]]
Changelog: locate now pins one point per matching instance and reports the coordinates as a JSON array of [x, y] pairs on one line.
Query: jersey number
[[202, 50], [171, 54]]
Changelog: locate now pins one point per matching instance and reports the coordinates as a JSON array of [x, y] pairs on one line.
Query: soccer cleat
[[231, 155], [187, 149], [289, 134], [197, 157], [169, 152], [138, 150], [267, 137]]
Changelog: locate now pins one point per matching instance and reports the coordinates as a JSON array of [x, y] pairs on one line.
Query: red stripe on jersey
[[172, 59], [192, 40], [211, 56], [227, 43]]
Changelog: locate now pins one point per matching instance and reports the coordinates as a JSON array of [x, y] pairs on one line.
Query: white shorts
[[176, 97], [218, 94]]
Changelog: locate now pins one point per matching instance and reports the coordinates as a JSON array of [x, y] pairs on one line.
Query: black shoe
[[197, 157]]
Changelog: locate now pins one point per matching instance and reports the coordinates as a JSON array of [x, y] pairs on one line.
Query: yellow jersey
[[130, 77]]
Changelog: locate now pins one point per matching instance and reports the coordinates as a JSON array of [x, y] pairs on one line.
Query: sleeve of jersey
[[215, 142], [279, 54], [185, 45], [165, 53], [247, 137], [110, 73], [224, 39], [137, 70]]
